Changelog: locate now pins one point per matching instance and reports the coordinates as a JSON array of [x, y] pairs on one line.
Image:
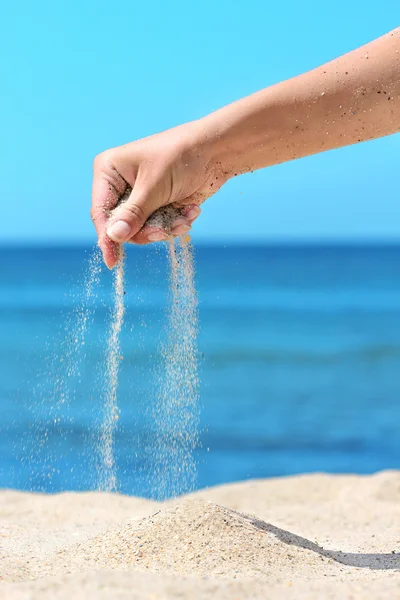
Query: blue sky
[[79, 77]]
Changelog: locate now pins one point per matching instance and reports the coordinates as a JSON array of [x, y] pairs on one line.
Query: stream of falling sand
[[176, 412], [107, 469]]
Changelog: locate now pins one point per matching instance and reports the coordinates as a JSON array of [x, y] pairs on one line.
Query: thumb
[[131, 214]]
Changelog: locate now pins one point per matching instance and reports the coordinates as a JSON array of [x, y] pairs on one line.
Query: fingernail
[[157, 236], [180, 230], [119, 231], [109, 258], [192, 213]]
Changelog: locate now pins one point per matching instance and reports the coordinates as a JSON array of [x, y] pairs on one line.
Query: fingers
[[191, 212], [128, 218], [184, 223], [107, 187], [147, 235], [122, 204], [180, 226]]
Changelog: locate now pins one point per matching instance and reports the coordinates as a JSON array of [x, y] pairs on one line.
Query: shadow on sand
[[363, 561]]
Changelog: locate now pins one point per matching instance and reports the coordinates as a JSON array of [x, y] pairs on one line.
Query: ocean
[[299, 358]]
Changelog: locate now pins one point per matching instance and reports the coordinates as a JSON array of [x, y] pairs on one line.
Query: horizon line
[[244, 243]]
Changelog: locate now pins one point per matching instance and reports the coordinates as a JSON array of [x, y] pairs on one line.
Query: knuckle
[[106, 166], [136, 211], [102, 159], [98, 162]]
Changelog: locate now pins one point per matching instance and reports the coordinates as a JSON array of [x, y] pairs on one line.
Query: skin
[[349, 100]]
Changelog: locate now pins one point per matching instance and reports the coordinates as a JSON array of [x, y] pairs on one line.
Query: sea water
[[300, 349]]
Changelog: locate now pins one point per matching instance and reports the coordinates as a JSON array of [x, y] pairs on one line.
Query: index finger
[[106, 191]]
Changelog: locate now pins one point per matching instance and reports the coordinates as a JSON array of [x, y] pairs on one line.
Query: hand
[[175, 168]]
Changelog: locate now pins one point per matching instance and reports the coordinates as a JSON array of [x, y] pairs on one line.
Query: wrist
[[239, 137], [205, 150]]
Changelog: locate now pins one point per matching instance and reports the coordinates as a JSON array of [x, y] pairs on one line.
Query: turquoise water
[[299, 361]]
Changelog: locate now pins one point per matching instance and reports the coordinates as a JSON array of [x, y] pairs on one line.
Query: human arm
[[351, 99]]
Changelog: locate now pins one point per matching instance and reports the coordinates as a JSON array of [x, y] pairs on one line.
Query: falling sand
[[107, 469], [176, 412]]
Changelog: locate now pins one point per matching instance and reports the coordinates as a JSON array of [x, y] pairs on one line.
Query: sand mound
[[332, 537], [193, 537]]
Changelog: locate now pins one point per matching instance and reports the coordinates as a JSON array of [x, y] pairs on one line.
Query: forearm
[[351, 99]]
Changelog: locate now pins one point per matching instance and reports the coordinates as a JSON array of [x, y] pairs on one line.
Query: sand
[[313, 536]]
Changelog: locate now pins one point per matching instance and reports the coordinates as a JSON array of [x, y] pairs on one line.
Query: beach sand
[[312, 536]]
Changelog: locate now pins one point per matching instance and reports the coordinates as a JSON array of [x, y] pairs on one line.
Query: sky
[[80, 77]]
